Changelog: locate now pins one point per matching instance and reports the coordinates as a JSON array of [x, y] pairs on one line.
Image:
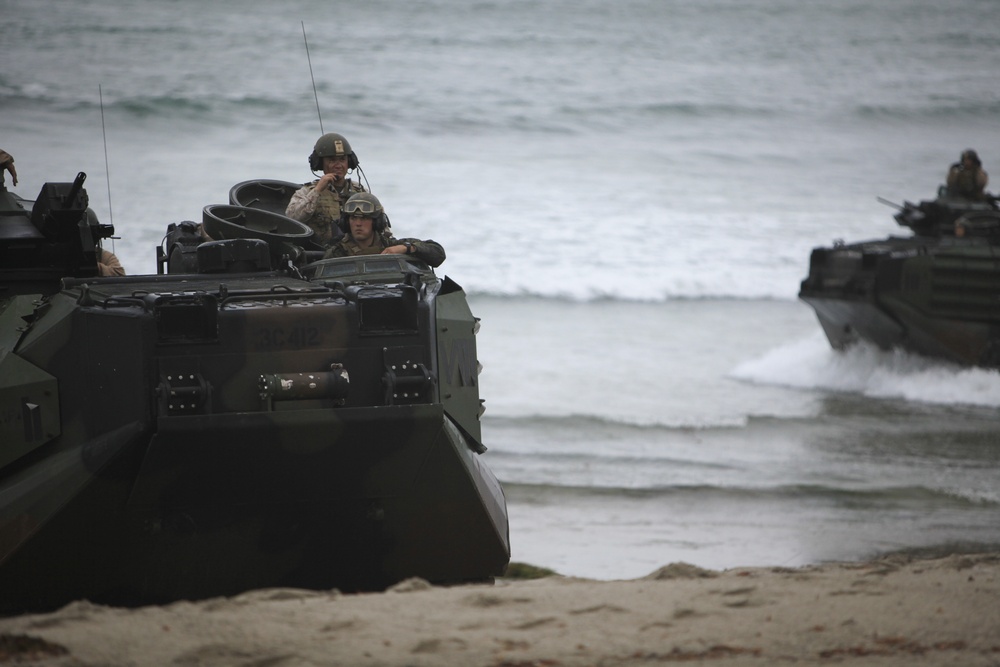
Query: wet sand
[[898, 610]]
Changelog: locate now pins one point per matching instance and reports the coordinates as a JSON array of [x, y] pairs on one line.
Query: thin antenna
[[107, 169], [304, 39]]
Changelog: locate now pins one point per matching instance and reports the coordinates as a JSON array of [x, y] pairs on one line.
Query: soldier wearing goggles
[[366, 232]]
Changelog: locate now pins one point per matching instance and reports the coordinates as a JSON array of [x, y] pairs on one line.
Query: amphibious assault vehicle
[[935, 293], [244, 418]]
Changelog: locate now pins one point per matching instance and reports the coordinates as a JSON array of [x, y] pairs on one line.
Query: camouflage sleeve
[[302, 204], [952, 176], [336, 250], [7, 164], [108, 264], [428, 251]]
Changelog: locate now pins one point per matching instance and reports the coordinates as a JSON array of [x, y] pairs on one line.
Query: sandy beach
[[898, 610]]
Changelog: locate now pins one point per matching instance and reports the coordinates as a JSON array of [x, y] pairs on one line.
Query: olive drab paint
[[249, 416]]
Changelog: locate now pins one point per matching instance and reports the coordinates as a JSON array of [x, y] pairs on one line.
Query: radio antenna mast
[[315, 95], [107, 168]]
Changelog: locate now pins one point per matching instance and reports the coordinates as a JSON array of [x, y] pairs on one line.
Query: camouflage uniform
[[428, 251], [108, 264], [967, 180], [321, 210]]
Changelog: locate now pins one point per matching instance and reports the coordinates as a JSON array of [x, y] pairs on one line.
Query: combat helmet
[[972, 155], [332, 145], [368, 205]]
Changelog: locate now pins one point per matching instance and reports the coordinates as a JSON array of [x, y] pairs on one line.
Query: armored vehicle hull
[[193, 434], [936, 293]]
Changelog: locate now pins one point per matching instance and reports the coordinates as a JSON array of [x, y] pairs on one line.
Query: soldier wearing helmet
[[966, 177], [366, 232], [318, 204]]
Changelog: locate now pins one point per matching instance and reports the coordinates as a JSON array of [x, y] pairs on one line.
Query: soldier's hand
[[325, 181]]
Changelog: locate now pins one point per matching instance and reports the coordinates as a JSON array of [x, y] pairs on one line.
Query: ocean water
[[628, 191]]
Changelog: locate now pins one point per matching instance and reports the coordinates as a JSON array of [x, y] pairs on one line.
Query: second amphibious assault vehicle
[[244, 418], [935, 293]]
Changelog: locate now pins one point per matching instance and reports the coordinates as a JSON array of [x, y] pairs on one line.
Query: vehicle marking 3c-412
[[277, 338]]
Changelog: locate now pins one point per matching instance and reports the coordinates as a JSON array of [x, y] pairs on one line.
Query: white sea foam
[[811, 364]]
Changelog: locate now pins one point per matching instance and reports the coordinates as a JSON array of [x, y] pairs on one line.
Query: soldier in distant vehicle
[[366, 232], [7, 164], [966, 177], [318, 204]]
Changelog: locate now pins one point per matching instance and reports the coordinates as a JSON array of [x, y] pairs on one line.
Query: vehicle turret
[[53, 237], [950, 216]]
